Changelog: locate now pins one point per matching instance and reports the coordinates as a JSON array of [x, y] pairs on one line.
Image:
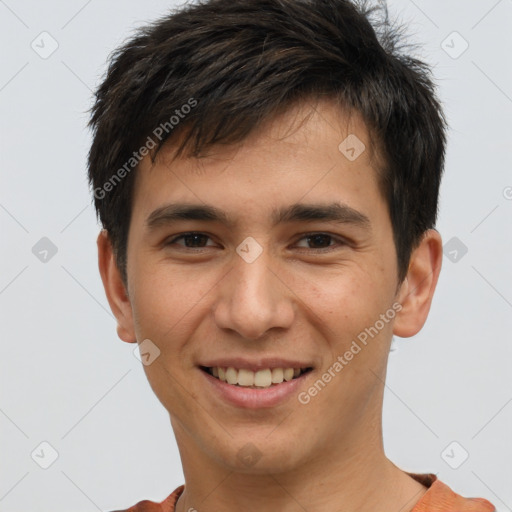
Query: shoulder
[[167, 505], [440, 498]]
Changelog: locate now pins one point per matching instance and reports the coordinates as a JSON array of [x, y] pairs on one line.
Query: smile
[[264, 378]]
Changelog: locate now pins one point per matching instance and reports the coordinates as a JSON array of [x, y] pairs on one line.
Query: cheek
[[158, 304], [348, 305], [168, 301], [165, 307]]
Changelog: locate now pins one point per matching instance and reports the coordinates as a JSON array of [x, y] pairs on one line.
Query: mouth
[[261, 379], [257, 388]]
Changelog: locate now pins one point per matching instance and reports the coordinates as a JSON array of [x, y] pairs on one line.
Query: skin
[[294, 301]]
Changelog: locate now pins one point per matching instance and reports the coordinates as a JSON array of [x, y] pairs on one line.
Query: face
[[291, 264]]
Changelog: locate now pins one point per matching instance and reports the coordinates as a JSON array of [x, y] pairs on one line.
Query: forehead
[[311, 125], [310, 150]]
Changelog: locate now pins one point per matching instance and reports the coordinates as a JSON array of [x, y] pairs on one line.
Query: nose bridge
[[252, 299]]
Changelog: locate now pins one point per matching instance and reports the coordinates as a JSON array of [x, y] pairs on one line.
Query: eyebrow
[[298, 212]]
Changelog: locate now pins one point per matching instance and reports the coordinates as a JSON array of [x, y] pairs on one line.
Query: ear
[[417, 289], [115, 289]]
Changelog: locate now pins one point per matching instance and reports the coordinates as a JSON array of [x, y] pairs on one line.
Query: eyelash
[[339, 241]]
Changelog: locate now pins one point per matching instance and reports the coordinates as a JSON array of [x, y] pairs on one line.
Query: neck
[[355, 477]]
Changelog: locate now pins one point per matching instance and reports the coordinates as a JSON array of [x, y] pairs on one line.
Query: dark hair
[[213, 71]]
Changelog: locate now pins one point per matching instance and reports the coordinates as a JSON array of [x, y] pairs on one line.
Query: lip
[[259, 364], [250, 398]]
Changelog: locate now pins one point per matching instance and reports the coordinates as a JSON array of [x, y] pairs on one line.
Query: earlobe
[[115, 289], [418, 288]]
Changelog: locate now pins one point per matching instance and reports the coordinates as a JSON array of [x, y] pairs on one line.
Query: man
[[267, 175]]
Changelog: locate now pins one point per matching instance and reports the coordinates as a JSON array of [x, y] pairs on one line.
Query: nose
[[252, 299]]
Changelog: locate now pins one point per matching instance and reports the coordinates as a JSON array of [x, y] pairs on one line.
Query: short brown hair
[[224, 66]]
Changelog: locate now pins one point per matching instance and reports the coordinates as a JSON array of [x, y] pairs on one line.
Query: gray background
[[66, 379]]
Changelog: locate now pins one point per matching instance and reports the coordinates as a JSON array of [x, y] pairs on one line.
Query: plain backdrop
[[68, 382]]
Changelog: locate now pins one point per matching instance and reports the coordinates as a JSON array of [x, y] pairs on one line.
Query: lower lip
[[252, 398]]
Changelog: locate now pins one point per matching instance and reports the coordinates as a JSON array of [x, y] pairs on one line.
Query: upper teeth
[[261, 378]]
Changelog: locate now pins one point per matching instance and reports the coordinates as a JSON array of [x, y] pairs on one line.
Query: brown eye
[[192, 240], [322, 241]]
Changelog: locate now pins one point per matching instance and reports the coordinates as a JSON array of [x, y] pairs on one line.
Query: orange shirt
[[438, 498]]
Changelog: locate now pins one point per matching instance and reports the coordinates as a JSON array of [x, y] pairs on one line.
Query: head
[[244, 107]]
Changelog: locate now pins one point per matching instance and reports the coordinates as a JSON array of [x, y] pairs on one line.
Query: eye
[[323, 240], [197, 240], [193, 240]]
